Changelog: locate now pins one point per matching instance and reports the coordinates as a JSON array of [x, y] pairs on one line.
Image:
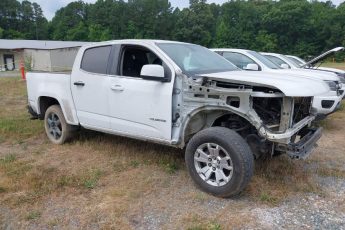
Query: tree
[[98, 33], [196, 23], [68, 20], [1, 32]]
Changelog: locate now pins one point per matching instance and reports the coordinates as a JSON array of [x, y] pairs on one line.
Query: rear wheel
[[57, 129], [219, 161]]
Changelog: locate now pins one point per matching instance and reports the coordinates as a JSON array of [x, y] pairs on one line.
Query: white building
[[38, 55]]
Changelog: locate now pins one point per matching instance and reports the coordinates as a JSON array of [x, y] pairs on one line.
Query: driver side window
[[240, 60], [134, 58]]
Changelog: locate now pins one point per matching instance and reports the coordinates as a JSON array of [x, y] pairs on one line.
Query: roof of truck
[[146, 41], [38, 44]]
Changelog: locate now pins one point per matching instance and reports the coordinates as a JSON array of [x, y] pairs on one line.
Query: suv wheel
[[57, 129], [219, 161]]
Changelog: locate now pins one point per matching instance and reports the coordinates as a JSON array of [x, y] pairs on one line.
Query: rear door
[[90, 84], [137, 106]]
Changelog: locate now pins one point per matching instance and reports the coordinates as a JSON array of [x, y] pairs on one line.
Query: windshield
[[276, 60], [195, 59], [264, 60], [296, 61], [289, 61]]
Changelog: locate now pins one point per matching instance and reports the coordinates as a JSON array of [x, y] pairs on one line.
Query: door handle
[[117, 88], [79, 83]]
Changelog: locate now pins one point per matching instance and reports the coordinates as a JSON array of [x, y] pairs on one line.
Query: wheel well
[[232, 121], [45, 103], [214, 118]]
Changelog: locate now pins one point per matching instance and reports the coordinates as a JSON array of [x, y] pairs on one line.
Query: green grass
[[210, 226], [9, 158], [15, 123], [90, 179], [19, 127], [337, 65], [33, 215]]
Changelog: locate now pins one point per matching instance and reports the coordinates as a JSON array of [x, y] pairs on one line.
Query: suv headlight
[[333, 86], [342, 77]]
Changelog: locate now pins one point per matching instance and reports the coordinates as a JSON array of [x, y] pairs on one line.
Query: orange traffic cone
[[22, 70]]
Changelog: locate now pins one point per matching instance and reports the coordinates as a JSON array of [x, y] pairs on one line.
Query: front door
[[140, 107]]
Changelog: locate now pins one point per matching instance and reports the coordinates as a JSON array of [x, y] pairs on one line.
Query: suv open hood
[[290, 85], [323, 56]]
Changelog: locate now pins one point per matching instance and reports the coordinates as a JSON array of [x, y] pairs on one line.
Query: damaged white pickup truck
[[181, 95]]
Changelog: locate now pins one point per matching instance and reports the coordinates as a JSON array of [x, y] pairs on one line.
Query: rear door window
[[95, 60]]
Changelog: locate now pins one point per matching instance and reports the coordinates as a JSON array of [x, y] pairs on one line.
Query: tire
[[56, 127], [228, 176]]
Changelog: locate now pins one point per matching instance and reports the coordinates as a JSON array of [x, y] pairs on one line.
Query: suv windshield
[[296, 61], [194, 59], [264, 60]]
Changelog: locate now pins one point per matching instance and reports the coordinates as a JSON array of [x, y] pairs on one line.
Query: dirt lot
[[100, 181]]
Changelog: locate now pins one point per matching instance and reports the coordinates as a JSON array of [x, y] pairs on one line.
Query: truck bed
[[51, 85]]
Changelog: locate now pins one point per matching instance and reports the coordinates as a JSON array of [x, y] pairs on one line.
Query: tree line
[[297, 27]]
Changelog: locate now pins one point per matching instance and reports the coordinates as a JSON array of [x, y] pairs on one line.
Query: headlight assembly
[[333, 86], [342, 77]]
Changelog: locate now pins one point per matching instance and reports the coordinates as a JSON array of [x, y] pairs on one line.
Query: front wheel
[[57, 129], [219, 161]]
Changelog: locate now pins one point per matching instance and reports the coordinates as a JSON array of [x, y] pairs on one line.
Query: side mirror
[[252, 66], [285, 66], [152, 72]]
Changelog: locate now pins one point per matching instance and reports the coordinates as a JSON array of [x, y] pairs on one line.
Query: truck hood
[[323, 56], [290, 85], [317, 74]]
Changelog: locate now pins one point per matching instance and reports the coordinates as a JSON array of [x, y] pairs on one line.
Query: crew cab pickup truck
[[182, 95]]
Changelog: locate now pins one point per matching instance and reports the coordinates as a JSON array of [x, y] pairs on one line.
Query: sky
[[49, 7]]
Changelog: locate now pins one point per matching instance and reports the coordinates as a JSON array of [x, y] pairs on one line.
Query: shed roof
[[38, 44]]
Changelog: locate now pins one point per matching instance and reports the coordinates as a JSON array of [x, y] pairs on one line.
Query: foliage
[[298, 27], [22, 20]]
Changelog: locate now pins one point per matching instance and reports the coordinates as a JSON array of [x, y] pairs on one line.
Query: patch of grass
[[87, 179], [2, 189], [53, 222], [277, 178], [33, 215], [342, 106], [19, 127], [337, 65], [169, 165], [214, 226], [330, 172], [197, 222], [91, 178], [134, 164], [330, 124], [266, 197], [8, 159], [16, 169], [210, 226]]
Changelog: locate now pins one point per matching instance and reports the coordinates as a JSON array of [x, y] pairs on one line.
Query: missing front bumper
[[303, 148]]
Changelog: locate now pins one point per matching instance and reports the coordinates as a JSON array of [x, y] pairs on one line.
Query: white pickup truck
[[181, 95]]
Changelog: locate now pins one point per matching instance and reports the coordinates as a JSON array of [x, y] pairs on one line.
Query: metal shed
[[38, 55]]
